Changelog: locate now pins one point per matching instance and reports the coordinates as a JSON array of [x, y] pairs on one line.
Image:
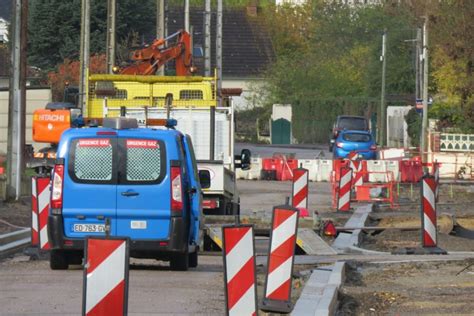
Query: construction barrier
[[300, 189], [43, 197], [271, 168], [312, 165], [357, 174], [277, 297], [288, 165], [34, 214], [337, 165], [344, 191], [376, 170], [391, 154], [239, 270], [325, 170], [393, 166], [428, 206], [255, 169], [378, 192], [241, 174], [105, 290]]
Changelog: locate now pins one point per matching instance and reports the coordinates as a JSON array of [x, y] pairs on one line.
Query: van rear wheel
[[58, 260], [179, 262]]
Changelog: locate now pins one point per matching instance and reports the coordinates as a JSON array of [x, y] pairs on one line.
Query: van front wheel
[[179, 262]]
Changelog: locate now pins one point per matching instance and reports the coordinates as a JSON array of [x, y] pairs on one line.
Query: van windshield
[[352, 123]]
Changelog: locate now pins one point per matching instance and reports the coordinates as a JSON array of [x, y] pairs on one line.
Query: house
[[247, 49]]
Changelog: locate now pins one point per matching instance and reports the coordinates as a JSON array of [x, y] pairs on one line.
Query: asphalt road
[[31, 288]]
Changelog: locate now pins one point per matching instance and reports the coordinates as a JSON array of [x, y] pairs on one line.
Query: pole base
[[269, 305], [420, 251]]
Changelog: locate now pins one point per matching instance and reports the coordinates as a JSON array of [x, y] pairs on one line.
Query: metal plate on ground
[[313, 244]]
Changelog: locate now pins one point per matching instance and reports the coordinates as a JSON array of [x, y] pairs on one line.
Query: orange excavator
[[148, 60], [51, 122]]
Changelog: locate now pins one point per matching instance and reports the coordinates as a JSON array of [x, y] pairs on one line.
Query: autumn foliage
[[69, 71]]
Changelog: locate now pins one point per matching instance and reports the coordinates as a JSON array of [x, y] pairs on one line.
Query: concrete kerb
[[347, 242], [319, 296]]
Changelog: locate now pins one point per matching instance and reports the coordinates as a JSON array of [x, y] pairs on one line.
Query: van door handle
[[130, 193]]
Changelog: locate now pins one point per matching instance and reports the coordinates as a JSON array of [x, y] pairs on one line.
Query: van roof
[[132, 132]]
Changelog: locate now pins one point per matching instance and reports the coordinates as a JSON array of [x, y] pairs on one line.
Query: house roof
[[246, 46]]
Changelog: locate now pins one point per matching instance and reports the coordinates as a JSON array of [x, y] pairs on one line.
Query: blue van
[[122, 180]]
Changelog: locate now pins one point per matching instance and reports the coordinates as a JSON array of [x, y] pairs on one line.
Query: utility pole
[[383, 59], [85, 53], [111, 30], [424, 123], [160, 27], [17, 100], [207, 39], [418, 64], [186, 15], [219, 51]]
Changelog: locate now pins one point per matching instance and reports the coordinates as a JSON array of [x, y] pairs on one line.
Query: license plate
[[89, 228]]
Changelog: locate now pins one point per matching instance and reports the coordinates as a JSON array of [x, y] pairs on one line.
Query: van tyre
[[180, 262], [58, 260], [193, 259]]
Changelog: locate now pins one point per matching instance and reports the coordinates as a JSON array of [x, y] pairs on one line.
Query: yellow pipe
[[148, 79]]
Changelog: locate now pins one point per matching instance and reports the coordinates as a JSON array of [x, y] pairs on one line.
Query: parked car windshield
[[352, 123], [355, 137]]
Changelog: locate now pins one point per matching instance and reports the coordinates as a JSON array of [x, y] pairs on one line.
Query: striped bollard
[[239, 270], [34, 214], [277, 297], [105, 290], [357, 180], [344, 194], [429, 234], [300, 189], [44, 194]]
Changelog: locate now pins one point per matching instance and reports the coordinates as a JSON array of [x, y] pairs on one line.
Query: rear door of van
[[143, 191], [90, 185]]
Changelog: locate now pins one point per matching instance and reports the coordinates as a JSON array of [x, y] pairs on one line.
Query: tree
[[68, 73]]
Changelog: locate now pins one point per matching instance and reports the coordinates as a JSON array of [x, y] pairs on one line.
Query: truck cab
[[121, 180]]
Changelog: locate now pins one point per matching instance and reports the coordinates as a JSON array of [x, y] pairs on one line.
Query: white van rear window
[[143, 160], [93, 159]]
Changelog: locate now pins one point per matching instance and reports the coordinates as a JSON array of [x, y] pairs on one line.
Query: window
[[144, 161], [190, 95], [352, 123], [359, 138], [92, 160]]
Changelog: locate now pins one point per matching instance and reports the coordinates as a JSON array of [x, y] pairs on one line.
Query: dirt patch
[[408, 288], [13, 216]]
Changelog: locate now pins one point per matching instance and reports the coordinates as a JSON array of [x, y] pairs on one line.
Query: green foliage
[[413, 120], [54, 28]]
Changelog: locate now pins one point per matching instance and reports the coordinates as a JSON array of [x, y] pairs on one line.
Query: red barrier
[[34, 213], [239, 270], [105, 289], [411, 171], [300, 189], [337, 165], [288, 165], [277, 297], [271, 168]]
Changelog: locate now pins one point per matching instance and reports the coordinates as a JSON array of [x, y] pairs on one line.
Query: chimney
[[252, 8]]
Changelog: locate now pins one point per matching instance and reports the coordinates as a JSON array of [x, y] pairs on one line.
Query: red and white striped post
[[344, 193], [44, 194], [300, 189], [356, 166], [239, 270], [34, 214], [277, 297], [429, 234], [105, 290]]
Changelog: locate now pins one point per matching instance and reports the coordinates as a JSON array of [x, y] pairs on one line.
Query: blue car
[[361, 142]]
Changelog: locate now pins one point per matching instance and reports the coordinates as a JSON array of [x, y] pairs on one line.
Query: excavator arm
[[148, 60]]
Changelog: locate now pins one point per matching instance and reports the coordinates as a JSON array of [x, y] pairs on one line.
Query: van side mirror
[[242, 161], [205, 179]]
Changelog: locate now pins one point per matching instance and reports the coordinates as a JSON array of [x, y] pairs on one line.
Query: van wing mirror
[[244, 158], [205, 179]]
